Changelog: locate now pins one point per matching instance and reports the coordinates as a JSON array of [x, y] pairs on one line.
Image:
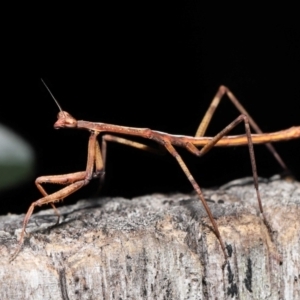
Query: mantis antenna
[[51, 95]]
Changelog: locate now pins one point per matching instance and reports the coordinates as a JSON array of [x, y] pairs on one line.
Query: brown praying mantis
[[95, 167]]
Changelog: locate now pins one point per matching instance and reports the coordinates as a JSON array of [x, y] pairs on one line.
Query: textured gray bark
[[158, 247]]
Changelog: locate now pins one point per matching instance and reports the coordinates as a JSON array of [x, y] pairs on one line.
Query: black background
[[148, 65]]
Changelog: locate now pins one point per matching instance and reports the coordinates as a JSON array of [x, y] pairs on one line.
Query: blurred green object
[[16, 159]]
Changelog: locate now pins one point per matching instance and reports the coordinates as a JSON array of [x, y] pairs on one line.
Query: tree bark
[[159, 247]]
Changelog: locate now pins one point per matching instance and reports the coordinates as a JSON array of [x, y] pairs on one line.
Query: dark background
[[148, 65]]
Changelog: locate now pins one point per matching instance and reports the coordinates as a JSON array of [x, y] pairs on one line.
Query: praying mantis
[[197, 145]]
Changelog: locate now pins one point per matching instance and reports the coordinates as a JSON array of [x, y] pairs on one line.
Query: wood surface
[[159, 247]]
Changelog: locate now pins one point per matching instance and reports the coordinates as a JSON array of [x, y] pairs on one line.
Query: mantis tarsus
[[97, 155]]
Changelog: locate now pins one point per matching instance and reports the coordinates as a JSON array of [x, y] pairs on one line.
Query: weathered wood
[[158, 247]]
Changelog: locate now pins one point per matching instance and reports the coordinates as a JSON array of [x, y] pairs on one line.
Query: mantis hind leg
[[222, 91]]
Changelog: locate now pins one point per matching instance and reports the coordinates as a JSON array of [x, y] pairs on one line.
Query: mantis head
[[65, 120]]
